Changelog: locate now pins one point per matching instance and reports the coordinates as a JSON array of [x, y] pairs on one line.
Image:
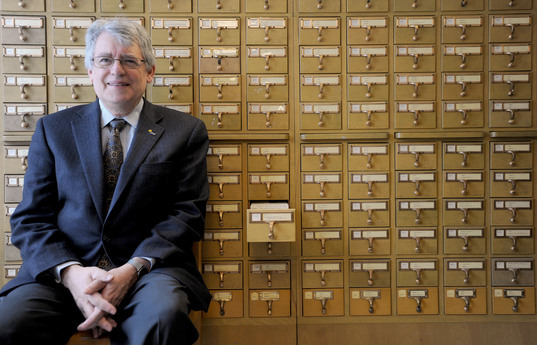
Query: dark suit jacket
[[157, 211]]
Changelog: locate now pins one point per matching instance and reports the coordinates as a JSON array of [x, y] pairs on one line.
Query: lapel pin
[[151, 132]]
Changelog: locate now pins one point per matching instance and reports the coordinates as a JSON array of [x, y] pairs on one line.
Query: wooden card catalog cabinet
[[323, 302], [318, 6], [464, 212], [267, 87], [225, 304], [464, 184], [462, 58], [224, 6], [222, 275], [13, 185], [25, 88], [459, 86], [513, 272], [270, 225], [510, 114], [414, 58], [266, 31], [513, 301], [416, 212], [262, 59], [268, 186], [316, 87], [319, 157], [219, 60], [369, 241], [78, 6], [464, 240], [410, 30], [319, 31], [462, 114], [511, 183], [369, 213], [320, 116], [368, 115], [221, 116], [321, 274], [516, 155], [462, 29], [369, 273], [415, 115], [69, 60], [172, 31], [70, 30], [320, 59], [417, 301], [317, 214], [224, 158], [367, 59], [510, 28], [69, 88], [11, 271], [20, 30], [512, 240], [466, 301], [464, 156], [370, 301], [465, 272], [220, 88], [413, 5], [463, 6], [368, 87], [371, 184], [222, 243], [417, 241], [269, 6], [25, 59], [270, 303], [512, 211], [411, 184], [510, 57], [367, 30], [516, 85], [269, 274], [171, 88], [268, 157], [412, 272], [415, 156], [127, 6], [322, 242], [15, 159], [22, 117], [23, 6], [369, 157], [221, 215], [224, 186], [219, 31], [268, 116], [415, 86], [322, 185], [174, 59], [367, 5]]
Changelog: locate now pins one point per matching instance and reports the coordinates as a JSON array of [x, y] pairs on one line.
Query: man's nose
[[117, 67]]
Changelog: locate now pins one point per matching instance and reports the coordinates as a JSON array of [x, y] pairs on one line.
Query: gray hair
[[126, 32]]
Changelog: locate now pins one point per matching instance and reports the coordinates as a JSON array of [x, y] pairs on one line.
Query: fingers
[[99, 302], [92, 321]]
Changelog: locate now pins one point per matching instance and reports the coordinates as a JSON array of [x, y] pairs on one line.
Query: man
[[86, 243]]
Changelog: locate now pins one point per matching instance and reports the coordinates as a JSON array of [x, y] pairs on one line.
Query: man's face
[[119, 88]]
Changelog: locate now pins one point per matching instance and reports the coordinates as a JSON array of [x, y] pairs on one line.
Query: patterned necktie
[[113, 158]]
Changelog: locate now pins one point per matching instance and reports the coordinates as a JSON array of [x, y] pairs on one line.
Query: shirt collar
[[131, 118]]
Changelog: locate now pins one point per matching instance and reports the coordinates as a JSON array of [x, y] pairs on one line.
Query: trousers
[[154, 312]]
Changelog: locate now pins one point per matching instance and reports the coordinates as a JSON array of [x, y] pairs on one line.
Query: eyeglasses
[[126, 62]]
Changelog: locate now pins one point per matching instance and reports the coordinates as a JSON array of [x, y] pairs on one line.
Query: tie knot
[[118, 124]]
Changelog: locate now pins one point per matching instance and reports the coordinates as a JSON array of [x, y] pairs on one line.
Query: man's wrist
[[139, 266]]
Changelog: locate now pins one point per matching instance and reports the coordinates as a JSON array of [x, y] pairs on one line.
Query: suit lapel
[[87, 134], [147, 134]]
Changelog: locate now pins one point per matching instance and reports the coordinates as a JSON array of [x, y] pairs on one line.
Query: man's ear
[[150, 74]]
